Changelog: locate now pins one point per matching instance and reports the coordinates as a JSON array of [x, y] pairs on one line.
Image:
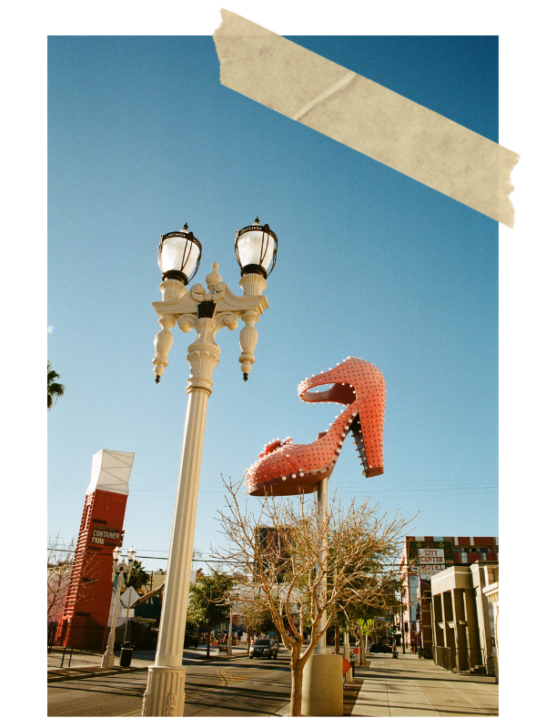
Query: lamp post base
[[108, 660], [164, 696]]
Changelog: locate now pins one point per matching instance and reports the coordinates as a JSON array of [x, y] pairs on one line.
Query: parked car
[[263, 648], [379, 647], [191, 639]]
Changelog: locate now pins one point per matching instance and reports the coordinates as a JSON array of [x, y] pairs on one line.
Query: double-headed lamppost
[[206, 312], [120, 568]]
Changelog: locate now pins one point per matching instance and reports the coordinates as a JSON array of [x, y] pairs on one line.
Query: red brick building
[[89, 595], [424, 556]]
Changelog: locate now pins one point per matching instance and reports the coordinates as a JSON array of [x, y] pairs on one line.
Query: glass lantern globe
[[179, 255], [256, 249], [116, 554]]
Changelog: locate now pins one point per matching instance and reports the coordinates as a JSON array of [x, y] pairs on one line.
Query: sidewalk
[[410, 686], [88, 664]]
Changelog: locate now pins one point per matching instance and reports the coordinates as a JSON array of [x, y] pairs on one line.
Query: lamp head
[[179, 255], [256, 249]]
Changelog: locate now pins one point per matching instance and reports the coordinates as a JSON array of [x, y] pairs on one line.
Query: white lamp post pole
[[120, 568], [206, 313]]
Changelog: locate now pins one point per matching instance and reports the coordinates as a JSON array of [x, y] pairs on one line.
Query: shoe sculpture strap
[[286, 468]]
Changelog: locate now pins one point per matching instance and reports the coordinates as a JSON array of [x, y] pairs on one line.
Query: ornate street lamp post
[[120, 568], [206, 312]]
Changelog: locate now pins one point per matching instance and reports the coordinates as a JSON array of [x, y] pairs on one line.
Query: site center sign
[[431, 561], [430, 557]]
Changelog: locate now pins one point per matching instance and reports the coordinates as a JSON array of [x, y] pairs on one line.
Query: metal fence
[[52, 628], [88, 635], [462, 660], [425, 653], [442, 657], [82, 634]]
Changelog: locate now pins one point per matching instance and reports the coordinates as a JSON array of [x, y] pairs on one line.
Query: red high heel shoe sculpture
[[288, 469]]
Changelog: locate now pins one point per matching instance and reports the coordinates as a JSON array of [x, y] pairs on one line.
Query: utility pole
[[402, 632]]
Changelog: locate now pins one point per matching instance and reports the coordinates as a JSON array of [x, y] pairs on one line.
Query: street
[[221, 687], [238, 686]]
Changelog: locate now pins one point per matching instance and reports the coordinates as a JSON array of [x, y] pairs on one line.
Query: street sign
[[129, 597]]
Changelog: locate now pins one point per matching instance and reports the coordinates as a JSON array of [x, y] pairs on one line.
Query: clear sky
[[143, 138]]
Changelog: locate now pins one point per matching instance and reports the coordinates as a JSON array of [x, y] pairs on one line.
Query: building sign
[[416, 547], [431, 561], [99, 534]]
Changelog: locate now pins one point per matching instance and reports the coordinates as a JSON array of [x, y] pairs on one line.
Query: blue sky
[[143, 138]]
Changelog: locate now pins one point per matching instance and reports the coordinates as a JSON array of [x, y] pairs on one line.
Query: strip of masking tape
[[366, 116]]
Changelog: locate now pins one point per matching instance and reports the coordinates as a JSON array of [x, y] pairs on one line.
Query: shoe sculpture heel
[[285, 468]]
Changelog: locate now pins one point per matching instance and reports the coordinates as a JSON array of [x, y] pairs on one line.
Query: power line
[[386, 491]]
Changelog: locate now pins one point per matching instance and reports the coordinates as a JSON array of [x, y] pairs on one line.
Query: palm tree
[[139, 577], [54, 389]]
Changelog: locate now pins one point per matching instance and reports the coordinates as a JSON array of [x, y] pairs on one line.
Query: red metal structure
[[285, 468], [89, 595]]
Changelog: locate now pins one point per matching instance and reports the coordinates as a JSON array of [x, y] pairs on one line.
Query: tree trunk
[[337, 639], [208, 643], [296, 692]]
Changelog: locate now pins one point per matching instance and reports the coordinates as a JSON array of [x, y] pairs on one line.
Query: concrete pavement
[[410, 686]]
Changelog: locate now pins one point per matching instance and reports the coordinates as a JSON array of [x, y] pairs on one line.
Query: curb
[[80, 673], [87, 672], [284, 712]]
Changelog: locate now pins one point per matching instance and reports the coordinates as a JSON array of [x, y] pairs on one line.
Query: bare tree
[[60, 562], [59, 568], [289, 575]]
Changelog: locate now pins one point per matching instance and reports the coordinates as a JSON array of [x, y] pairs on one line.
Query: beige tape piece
[[365, 116]]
